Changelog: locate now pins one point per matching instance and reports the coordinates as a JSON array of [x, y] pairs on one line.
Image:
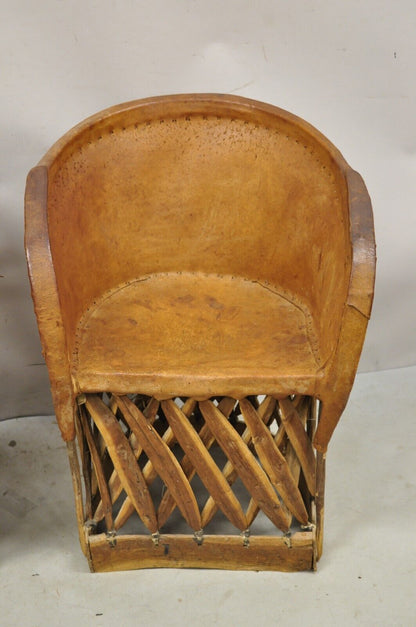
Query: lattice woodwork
[[153, 466]]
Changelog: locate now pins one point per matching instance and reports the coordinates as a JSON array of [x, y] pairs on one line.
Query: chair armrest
[[46, 299], [335, 387], [361, 289]]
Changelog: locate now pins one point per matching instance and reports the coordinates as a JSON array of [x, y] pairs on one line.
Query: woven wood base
[[219, 483]]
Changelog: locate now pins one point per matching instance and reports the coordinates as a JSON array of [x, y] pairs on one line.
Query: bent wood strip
[[86, 466], [253, 477], [304, 410], [253, 509], [150, 474], [273, 462], [168, 437], [281, 441], [99, 472], [167, 504], [300, 442], [124, 461], [149, 412], [293, 465], [114, 483], [181, 551], [264, 411], [208, 471], [290, 455], [163, 461]]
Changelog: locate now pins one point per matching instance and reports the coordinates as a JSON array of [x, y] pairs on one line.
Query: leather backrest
[[206, 186]]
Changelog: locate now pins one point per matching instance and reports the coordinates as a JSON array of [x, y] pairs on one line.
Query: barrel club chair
[[202, 270]]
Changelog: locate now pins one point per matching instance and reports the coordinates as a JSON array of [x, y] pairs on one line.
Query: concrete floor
[[367, 575]]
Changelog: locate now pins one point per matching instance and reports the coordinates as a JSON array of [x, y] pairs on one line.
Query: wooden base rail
[[230, 552]]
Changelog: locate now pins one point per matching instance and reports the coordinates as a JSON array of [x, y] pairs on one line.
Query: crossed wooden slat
[[276, 474], [124, 461], [114, 483], [167, 504], [265, 412]]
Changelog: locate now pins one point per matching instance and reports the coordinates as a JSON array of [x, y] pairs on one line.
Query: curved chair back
[[188, 184]]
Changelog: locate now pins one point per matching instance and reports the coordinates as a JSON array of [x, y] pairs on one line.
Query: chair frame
[[88, 423]]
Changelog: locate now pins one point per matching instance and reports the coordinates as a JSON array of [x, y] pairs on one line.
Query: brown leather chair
[[202, 269]]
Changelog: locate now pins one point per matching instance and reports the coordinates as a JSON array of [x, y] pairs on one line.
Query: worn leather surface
[[167, 333]]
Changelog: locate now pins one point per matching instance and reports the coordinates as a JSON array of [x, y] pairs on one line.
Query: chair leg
[[320, 501], [77, 485]]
